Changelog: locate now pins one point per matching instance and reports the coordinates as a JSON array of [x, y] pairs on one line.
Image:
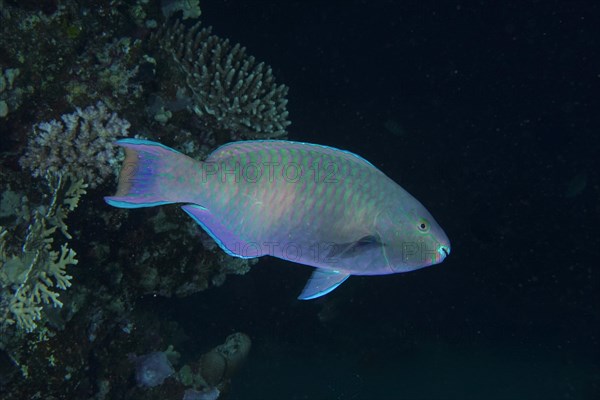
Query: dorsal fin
[[246, 146]]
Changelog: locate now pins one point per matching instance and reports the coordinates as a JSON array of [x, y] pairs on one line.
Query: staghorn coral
[[81, 144], [229, 91], [30, 276]]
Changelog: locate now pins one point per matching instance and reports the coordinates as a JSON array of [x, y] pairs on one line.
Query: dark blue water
[[486, 113]]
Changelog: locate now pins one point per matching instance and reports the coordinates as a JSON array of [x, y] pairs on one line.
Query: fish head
[[411, 238]]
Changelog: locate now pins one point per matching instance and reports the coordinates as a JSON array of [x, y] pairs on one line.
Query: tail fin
[[152, 174]]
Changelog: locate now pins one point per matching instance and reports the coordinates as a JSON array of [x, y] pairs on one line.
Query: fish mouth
[[444, 252]]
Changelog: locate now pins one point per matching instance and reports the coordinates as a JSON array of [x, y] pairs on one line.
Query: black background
[[486, 112]]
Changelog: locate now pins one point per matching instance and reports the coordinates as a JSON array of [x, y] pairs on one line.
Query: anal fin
[[322, 282], [227, 240]]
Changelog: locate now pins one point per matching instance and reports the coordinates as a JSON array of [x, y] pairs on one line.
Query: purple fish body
[[306, 203]]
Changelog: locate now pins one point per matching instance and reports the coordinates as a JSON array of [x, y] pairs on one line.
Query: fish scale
[[306, 203]]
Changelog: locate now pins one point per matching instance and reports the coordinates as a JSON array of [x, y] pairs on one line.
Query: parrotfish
[[307, 203]]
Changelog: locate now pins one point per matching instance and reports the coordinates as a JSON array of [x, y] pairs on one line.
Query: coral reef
[[46, 45], [81, 144], [110, 72], [204, 378], [221, 363], [189, 8], [30, 277], [11, 95], [211, 374], [206, 394], [152, 369], [229, 91], [88, 78], [200, 264]]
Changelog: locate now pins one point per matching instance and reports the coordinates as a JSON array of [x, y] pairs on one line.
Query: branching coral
[[30, 276], [81, 144], [230, 91]]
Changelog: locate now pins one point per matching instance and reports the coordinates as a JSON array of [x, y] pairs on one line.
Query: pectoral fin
[[322, 282], [348, 250]]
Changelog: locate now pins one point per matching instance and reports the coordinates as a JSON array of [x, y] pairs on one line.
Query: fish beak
[[444, 251]]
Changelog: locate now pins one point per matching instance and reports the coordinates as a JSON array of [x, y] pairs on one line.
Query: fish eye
[[423, 226]]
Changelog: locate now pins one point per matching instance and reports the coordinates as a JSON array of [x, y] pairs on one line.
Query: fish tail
[[152, 175]]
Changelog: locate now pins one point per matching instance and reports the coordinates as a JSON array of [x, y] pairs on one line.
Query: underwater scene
[[205, 200]]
